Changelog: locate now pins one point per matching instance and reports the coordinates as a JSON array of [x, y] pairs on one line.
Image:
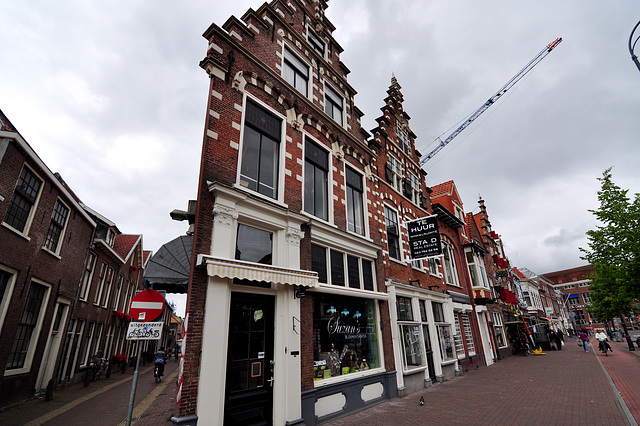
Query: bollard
[[49, 394], [108, 376], [87, 377]]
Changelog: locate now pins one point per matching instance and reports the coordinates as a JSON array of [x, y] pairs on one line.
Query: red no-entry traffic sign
[[147, 305]]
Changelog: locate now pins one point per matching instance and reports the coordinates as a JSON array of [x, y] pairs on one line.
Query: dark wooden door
[[249, 389]]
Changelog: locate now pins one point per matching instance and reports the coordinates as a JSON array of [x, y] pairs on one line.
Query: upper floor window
[[333, 104], [56, 227], [586, 297], [87, 276], [316, 172], [476, 269], [394, 171], [22, 203], [260, 151], [295, 72], [450, 274], [403, 138], [315, 42], [331, 269], [412, 188], [393, 232], [433, 266], [355, 193], [254, 245]]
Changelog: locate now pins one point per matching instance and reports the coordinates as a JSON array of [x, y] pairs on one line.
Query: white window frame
[[63, 229], [313, 35], [365, 215], [398, 173], [34, 206], [35, 335], [404, 141], [457, 338], [289, 57], [414, 181], [448, 247], [88, 276], [498, 328], [329, 93], [477, 266], [399, 236], [108, 284], [468, 334], [102, 276], [281, 151], [116, 301], [329, 200], [5, 302], [345, 268]]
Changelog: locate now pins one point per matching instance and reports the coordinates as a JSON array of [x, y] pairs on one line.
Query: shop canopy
[[168, 269], [231, 268]]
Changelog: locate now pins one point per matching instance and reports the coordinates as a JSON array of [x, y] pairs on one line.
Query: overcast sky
[[110, 95]]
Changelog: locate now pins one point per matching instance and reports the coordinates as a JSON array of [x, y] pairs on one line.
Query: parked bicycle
[[99, 367]]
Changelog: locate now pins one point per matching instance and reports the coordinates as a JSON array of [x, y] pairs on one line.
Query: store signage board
[[424, 238], [144, 330], [147, 305]]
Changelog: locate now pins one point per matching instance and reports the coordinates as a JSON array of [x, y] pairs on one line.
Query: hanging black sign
[[424, 238]]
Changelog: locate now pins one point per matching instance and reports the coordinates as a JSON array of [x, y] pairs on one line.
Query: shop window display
[[345, 336]]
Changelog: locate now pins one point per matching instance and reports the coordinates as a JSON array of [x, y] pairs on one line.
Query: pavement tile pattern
[[565, 387]]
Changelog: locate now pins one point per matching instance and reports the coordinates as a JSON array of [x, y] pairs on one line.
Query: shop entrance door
[[249, 388]]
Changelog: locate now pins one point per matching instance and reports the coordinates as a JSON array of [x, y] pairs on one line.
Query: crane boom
[[515, 79]]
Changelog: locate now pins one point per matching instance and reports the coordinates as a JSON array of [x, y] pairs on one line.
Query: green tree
[[614, 251]]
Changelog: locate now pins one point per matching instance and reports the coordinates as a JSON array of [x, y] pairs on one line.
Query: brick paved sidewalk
[[560, 388], [103, 402], [623, 367]]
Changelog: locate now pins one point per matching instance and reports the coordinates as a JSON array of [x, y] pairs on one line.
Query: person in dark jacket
[[582, 336]]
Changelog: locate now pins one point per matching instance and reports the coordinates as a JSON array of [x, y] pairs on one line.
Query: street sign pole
[[134, 385]]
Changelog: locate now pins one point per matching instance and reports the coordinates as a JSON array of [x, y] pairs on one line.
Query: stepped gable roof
[[125, 245]]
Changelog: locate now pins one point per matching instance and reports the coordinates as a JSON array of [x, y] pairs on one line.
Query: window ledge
[[46, 250], [14, 230], [453, 361], [415, 370], [260, 196], [347, 377], [17, 371]]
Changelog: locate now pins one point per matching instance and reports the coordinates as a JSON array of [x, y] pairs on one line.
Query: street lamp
[[632, 44]]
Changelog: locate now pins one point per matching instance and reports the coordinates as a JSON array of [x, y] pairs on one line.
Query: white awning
[[229, 268]]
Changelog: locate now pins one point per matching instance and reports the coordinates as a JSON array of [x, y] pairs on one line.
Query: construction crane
[[524, 71]]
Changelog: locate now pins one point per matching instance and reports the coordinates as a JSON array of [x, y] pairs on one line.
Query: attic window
[[403, 138]]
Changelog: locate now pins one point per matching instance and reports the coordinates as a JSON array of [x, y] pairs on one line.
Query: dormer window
[[315, 42], [110, 237]]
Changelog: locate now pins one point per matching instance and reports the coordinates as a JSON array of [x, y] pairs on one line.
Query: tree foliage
[[614, 251]]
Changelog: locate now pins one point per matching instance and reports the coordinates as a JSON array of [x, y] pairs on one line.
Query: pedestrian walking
[[582, 336], [553, 339], [559, 339]]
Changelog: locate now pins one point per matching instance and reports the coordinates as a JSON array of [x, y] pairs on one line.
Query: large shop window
[[345, 336], [359, 272], [410, 334], [316, 172], [260, 151], [447, 344]]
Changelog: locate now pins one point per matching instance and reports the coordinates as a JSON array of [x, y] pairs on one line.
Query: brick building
[[286, 242], [44, 239]]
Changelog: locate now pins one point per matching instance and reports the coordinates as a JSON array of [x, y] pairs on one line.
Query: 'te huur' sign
[[424, 238]]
